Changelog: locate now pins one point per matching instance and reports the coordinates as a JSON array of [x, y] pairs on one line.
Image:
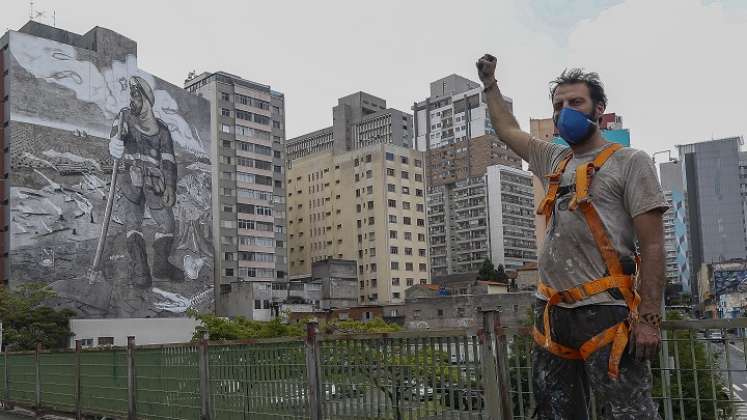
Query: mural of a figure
[[144, 145]]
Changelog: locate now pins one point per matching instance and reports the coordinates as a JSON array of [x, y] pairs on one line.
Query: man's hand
[[168, 199], [645, 341], [119, 131], [486, 69]]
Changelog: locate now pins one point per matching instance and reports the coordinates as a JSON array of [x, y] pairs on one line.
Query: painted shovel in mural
[[95, 274]]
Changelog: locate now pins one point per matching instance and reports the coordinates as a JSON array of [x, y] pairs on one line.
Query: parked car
[[716, 336]]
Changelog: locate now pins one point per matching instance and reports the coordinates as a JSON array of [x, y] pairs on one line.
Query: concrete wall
[[145, 330]]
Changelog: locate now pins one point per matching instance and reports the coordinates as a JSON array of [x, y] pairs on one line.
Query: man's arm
[[649, 229], [506, 126]]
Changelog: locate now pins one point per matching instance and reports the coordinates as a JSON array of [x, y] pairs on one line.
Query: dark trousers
[[562, 386]]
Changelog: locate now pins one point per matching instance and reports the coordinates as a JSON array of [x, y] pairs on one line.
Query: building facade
[[482, 217], [66, 98], [455, 111], [358, 120], [366, 205], [712, 185], [249, 195], [676, 244]]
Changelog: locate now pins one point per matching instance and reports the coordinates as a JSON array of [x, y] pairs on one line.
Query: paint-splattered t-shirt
[[624, 188]]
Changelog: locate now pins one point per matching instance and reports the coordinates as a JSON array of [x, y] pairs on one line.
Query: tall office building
[[712, 185], [454, 111], [677, 248], [365, 205], [358, 120], [248, 121]]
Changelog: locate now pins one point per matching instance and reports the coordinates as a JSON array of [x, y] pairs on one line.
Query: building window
[[440, 312], [370, 205], [392, 234], [362, 284], [106, 341], [395, 281], [410, 282], [405, 175], [421, 252], [257, 304], [418, 163], [228, 272], [394, 265], [371, 252], [391, 188], [418, 178], [406, 205], [421, 222], [408, 266], [371, 220], [225, 112], [421, 237], [390, 172], [369, 189], [392, 203], [369, 174], [393, 250], [407, 220], [395, 295], [408, 251], [389, 156], [405, 190], [225, 128], [392, 218], [419, 207], [225, 96], [404, 160], [368, 158], [408, 236], [422, 267]]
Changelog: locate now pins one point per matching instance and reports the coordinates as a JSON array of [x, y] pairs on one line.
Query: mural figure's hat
[[144, 88]]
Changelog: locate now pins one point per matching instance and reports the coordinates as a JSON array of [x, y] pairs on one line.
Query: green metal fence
[[456, 374]]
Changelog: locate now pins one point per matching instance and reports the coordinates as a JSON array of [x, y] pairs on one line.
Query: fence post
[[493, 360], [131, 391], [77, 380], [313, 370], [6, 378], [204, 368], [37, 388]]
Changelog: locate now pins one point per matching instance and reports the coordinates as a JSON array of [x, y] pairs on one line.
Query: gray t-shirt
[[625, 187]]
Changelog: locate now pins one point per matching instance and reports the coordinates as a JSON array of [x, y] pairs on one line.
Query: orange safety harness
[[618, 333]]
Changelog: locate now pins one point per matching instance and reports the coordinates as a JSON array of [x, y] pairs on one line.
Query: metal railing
[[447, 374]]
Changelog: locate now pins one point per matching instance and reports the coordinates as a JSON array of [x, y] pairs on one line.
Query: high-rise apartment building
[[715, 207], [454, 111], [489, 216], [248, 121], [366, 205], [358, 120]]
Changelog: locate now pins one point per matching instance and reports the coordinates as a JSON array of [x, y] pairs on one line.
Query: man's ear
[[599, 110]]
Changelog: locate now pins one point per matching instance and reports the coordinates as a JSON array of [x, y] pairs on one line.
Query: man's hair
[[576, 75]]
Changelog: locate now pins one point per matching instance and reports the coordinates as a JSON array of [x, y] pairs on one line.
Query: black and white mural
[[110, 182]]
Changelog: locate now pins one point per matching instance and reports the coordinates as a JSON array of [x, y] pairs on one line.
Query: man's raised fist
[[486, 69]]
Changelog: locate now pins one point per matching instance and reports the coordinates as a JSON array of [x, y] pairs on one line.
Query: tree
[[26, 321], [500, 274], [487, 271]]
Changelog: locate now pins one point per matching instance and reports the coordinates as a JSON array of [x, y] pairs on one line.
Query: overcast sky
[[674, 69]]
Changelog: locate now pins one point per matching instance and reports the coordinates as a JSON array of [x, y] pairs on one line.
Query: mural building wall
[[77, 103]]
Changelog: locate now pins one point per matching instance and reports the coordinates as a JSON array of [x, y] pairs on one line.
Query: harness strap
[[548, 203]]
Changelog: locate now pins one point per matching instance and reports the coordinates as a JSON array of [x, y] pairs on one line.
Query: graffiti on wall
[[91, 131]]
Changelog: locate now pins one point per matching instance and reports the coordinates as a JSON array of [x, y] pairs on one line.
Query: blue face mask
[[574, 126]]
